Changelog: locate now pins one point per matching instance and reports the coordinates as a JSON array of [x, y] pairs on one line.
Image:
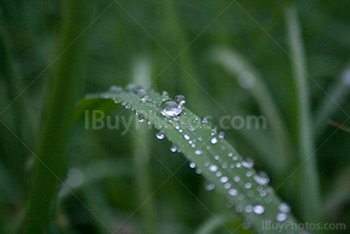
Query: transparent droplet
[[233, 192], [221, 135], [192, 165], [160, 135], [141, 118], [261, 178], [248, 209], [223, 179], [214, 140], [180, 99], [116, 89], [210, 187], [205, 120], [213, 168], [170, 109], [173, 148], [187, 137], [165, 95], [198, 152], [284, 208], [281, 217], [248, 163], [259, 209]]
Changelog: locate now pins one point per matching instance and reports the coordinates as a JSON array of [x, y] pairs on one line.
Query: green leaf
[[219, 162]]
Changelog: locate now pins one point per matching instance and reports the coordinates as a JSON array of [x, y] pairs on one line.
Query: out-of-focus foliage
[[117, 36]]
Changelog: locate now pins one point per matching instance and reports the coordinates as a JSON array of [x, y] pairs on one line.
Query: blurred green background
[[112, 184]]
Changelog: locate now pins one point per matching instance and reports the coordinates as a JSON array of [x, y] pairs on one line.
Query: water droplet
[[180, 99], [281, 217], [173, 148], [248, 185], [141, 118], [258, 209], [223, 179], [213, 168], [132, 88], [248, 209], [116, 89], [170, 109], [192, 165], [210, 187], [261, 178], [284, 208], [160, 135], [146, 98], [248, 163], [227, 185], [198, 152], [205, 120], [233, 192], [187, 137], [165, 95], [141, 92], [214, 140]]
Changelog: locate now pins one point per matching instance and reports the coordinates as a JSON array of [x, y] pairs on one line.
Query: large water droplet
[[214, 140], [170, 109]]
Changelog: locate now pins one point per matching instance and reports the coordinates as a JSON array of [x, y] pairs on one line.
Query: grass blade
[[142, 76], [309, 191], [338, 92], [218, 161], [250, 79], [66, 83]]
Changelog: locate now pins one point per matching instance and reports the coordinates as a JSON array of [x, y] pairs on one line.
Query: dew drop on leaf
[[160, 135], [170, 109]]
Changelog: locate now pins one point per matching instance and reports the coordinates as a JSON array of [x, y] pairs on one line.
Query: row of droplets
[[172, 109]]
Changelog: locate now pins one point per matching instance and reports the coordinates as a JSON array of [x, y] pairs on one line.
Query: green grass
[[130, 182]]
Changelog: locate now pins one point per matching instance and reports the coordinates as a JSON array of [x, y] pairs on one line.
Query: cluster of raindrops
[[243, 187]]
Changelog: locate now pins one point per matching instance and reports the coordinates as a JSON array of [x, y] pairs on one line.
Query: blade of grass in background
[[249, 79], [214, 223], [14, 88], [217, 160], [309, 189], [327, 107], [66, 82], [142, 77], [179, 43]]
